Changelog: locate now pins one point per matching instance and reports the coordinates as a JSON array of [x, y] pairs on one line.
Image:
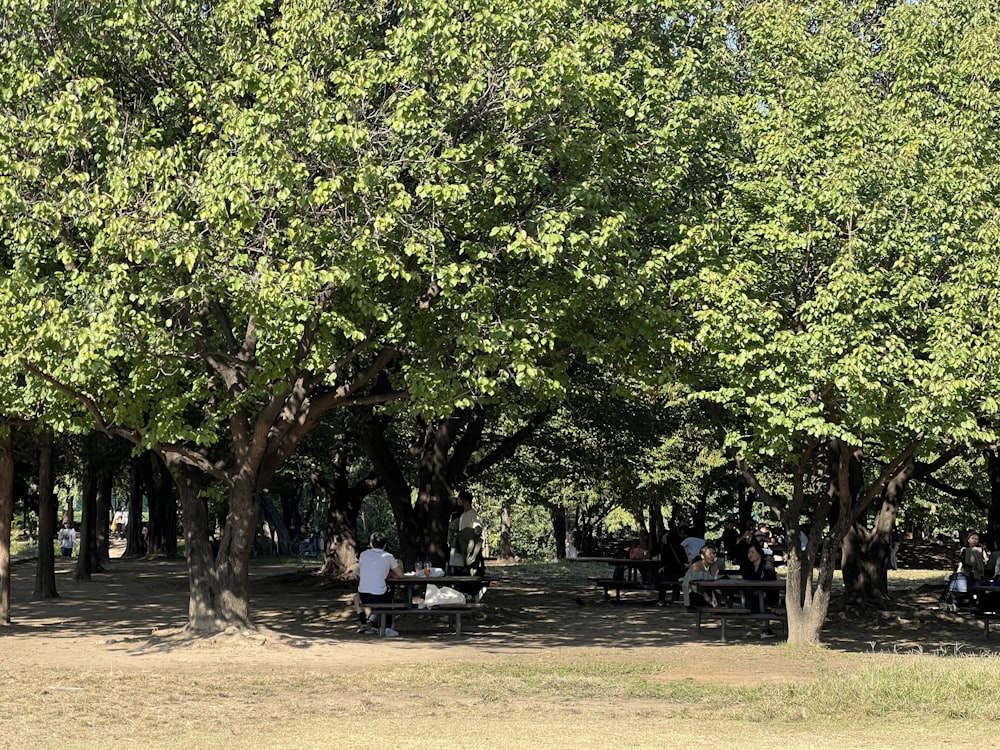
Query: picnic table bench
[[453, 612], [987, 605], [743, 590]]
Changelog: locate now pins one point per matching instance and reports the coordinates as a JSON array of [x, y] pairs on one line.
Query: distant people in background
[[894, 548], [673, 562], [636, 551], [765, 539], [123, 523], [571, 553], [67, 539], [730, 536], [747, 538], [692, 546], [973, 560]]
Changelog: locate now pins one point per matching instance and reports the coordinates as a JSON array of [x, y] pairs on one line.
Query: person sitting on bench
[[760, 568], [374, 566]]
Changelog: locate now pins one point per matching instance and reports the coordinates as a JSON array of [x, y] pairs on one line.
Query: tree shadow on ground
[[141, 605]]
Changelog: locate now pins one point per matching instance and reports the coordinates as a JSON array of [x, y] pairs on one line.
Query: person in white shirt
[[67, 539], [375, 565]]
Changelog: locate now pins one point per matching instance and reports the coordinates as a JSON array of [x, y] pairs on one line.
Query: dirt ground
[[134, 610], [121, 633]]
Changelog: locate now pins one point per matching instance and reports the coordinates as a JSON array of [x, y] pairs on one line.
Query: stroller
[[958, 593]]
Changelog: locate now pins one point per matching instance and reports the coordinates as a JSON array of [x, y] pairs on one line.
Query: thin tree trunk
[[506, 547], [86, 560], [6, 521], [45, 573], [103, 516], [134, 543]]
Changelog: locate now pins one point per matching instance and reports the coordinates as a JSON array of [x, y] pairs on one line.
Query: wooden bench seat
[[398, 609], [726, 614]]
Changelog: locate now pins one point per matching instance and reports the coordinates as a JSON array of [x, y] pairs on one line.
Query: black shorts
[[367, 598]]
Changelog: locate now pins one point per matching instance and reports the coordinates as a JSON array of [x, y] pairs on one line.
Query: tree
[[844, 258], [226, 220]]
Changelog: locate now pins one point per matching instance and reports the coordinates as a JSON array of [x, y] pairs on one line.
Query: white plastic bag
[[437, 596]]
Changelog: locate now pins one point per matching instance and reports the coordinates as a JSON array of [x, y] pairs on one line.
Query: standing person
[[692, 545], [67, 539], [730, 536], [465, 537], [123, 523], [375, 565]]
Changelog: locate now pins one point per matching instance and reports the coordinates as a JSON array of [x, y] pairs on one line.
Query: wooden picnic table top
[[415, 580]]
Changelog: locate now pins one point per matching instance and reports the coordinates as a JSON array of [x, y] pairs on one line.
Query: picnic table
[[638, 574], [410, 582], [742, 589], [987, 606], [472, 586]]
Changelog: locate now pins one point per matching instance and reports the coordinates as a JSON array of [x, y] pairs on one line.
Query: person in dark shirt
[[760, 568]]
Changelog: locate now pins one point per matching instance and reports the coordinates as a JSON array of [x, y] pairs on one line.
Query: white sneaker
[[390, 632]]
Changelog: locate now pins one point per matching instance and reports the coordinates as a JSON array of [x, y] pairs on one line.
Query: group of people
[[376, 566], [119, 524], [688, 558]]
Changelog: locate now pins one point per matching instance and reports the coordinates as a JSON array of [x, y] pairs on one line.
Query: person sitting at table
[[375, 565], [704, 568], [761, 568], [973, 560]]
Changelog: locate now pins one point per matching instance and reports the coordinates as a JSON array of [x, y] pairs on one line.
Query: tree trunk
[[280, 540], [161, 532], [6, 521], [993, 512], [558, 515], [103, 517], [397, 490], [235, 547], [807, 596], [218, 599], [135, 545], [506, 548], [45, 572], [86, 560], [343, 506], [434, 495]]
